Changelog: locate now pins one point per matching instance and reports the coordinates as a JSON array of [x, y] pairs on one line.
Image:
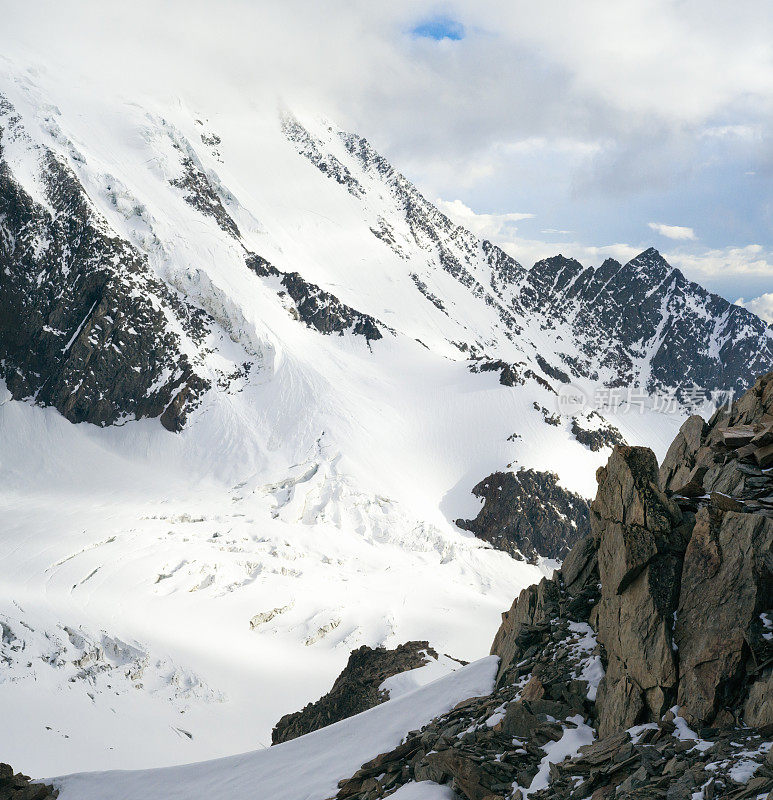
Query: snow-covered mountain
[[290, 370]]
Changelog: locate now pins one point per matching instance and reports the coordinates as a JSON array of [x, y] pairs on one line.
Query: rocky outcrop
[[666, 760], [315, 307], [488, 746], [19, 787], [84, 325], [641, 543], [199, 192], [720, 471], [314, 151], [356, 689], [727, 571], [605, 435], [527, 514], [646, 659]]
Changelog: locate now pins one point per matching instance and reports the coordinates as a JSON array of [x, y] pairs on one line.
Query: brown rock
[[356, 689], [726, 584], [580, 565], [764, 435], [534, 690], [758, 710], [640, 554], [519, 721], [736, 435], [764, 456], [694, 485], [725, 503], [620, 701], [680, 459], [537, 604], [464, 771]]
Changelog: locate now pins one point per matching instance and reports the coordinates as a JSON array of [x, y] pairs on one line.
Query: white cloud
[[762, 306], [752, 259], [672, 231], [487, 226]]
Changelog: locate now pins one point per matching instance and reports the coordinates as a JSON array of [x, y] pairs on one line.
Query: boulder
[[758, 709], [680, 458], [726, 585], [536, 605], [641, 541], [580, 565], [464, 771]]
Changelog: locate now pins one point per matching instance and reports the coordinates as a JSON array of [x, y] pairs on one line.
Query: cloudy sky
[[591, 129]]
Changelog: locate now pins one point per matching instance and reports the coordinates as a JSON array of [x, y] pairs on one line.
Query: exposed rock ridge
[[639, 323], [85, 324], [528, 515], [19, 787], [648, 323], [356, 689], [325, 162], [315, 307]]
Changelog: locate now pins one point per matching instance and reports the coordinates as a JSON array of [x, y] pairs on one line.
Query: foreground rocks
[[18, 787], [642, 669], [356, 689], [641, 542]]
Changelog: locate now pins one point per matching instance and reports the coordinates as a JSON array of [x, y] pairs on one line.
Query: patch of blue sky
[[438, 28]]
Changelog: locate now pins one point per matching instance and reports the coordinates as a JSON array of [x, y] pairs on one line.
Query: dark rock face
[[83, 323], [422, 287], [309, 147], [658, 607], [356, 689], [199, 193], [551, 371], [527, 514], [605, 435], [618, 313], [315, 307], [19, 787]]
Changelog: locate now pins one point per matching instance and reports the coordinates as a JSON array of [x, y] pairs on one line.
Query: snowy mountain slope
[[316, 761], [222, 596], [342, 365]]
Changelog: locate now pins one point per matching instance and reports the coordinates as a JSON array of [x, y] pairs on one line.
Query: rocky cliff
[[84, 324], [644, 667], [356, 689]]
